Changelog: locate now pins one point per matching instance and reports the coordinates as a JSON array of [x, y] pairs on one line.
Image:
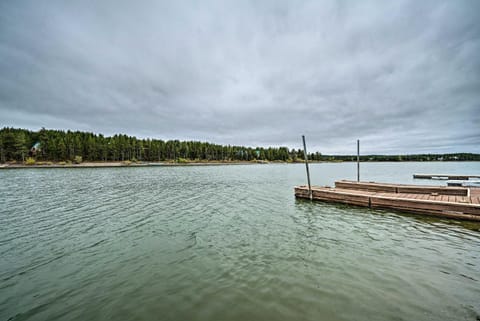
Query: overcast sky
[[402, 76]]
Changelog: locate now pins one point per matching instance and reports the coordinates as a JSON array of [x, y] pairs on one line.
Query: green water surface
[[227, 243]]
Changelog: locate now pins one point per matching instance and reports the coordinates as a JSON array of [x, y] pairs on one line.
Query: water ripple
[[228, 242]]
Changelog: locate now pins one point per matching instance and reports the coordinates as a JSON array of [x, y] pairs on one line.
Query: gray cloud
[[403, 76]]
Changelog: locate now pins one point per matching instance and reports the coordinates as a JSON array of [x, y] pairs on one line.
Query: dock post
[[306, 165], [358, 160]]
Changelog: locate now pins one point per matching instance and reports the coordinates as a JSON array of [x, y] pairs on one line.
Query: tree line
[[401, 158], [58, 145]]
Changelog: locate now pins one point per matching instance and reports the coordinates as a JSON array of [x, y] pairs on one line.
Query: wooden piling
[[358, 160], [306, 165]]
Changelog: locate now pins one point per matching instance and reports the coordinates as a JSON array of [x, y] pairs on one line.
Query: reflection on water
[[229, 243]]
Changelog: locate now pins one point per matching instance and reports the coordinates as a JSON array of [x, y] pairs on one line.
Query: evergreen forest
[[16, 145]]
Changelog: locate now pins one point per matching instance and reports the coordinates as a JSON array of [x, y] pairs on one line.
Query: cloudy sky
[[402, 76]]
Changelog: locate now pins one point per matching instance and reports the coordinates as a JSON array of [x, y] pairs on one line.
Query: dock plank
[[444, 176], [401, 188], [475, 192]]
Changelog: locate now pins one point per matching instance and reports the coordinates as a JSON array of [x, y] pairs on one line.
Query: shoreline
[[124, 164], [121, 164]]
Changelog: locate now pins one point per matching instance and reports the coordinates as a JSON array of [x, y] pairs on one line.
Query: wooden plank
[[458, 177], [347, 198], [443, 190], [475, 192], [401, 188], [446, 176], [425, 206], [329, 194], [462, 199], [365, 186]]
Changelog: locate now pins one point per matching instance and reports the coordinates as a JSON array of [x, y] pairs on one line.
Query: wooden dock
[[451, 202], [445, 176]]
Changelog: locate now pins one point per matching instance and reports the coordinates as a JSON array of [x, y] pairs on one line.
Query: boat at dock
[[455, 202]]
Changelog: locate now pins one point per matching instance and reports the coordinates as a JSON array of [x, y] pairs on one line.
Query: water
[[227, 243]]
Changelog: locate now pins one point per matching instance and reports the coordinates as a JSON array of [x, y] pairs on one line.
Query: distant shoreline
[[178, 164], [125, 164]]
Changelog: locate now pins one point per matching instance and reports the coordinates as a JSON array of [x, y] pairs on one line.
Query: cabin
[[35, 149]]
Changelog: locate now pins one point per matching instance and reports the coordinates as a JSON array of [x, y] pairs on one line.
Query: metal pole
[[306, 165], [358, 160]]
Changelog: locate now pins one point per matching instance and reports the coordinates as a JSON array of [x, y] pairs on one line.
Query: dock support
[[306, 165], [358, 160]]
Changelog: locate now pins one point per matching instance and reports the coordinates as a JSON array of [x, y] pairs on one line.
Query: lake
[[227, 243]]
